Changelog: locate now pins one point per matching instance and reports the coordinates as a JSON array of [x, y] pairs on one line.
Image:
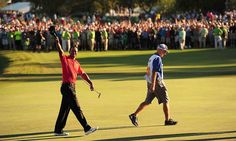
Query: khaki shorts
[[160, 93]]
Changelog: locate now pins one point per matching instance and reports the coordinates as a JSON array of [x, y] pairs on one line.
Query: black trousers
[[69, 101]]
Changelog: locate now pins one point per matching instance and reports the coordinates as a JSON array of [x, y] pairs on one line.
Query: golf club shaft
[[99, 94]]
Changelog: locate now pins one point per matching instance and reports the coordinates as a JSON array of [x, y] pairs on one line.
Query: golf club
[[99, 94]]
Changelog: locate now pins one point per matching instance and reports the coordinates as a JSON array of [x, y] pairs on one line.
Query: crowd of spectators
[[179, 31]]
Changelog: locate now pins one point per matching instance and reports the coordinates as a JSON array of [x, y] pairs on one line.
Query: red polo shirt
[[70, 69]]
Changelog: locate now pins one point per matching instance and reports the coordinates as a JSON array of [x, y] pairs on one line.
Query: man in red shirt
[[70, 69]]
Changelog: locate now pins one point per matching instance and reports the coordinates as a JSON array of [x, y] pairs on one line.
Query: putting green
[[201, 85]]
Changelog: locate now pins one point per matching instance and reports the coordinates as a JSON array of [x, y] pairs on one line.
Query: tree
[[167, 5], [147, 5], [3, 3], [232, 4], [204, 5], [69, 7]]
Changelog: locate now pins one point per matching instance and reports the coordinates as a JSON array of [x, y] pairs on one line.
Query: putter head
[[99, 94]]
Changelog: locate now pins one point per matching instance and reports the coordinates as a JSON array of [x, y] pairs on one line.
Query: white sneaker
[[91, 130], [61, 134]]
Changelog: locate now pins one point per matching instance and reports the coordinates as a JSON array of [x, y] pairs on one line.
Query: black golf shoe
[[133, 119], [170, 122]]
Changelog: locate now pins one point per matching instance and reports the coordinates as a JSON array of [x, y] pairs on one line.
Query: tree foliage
[[103, 6], [204, 5], [147, 5], [3, 3], [167, 5], [232, 4]]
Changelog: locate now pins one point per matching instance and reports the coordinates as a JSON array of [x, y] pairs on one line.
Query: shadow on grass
[[4, 63], [49, 135], [171, 73], [30, 77], [213, 139], [177, 58], [167, 136], [222, 62]]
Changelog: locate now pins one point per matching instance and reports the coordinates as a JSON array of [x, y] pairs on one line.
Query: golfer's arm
[[86, 78], [59, 48], [154, 76]]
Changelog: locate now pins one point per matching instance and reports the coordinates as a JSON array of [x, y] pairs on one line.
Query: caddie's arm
[[153, 85], [87, 79], [59, 48]]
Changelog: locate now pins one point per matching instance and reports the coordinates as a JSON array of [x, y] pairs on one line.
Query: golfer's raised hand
[[59, 48]]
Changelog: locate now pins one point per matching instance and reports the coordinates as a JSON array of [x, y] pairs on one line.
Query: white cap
[[163, 47]]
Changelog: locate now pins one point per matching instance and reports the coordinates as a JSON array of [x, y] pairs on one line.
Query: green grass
[[201, 85]]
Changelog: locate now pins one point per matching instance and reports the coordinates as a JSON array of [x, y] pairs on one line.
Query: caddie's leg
[[140, 108], [166, 111]]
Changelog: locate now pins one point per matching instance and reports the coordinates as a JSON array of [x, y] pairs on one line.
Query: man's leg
[[163, 98], [166, 110], [75, 107], [149, 98], [140, 108], [133, 117], [62, 116]]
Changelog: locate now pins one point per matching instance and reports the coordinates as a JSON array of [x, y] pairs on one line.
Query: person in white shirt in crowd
[[182, 37], [203, 36], [66, 39]]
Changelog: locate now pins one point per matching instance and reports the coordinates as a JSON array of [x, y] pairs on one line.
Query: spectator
[[83, 39], [224, 35], [105, 39], [232, 34], [11, 39], [18, 38], [188, 37], [66, 38], [39, 39], [217, 32], [98, 39], [4, 39], [91, 38], [76, 37], [203, 35], [182, 38]]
